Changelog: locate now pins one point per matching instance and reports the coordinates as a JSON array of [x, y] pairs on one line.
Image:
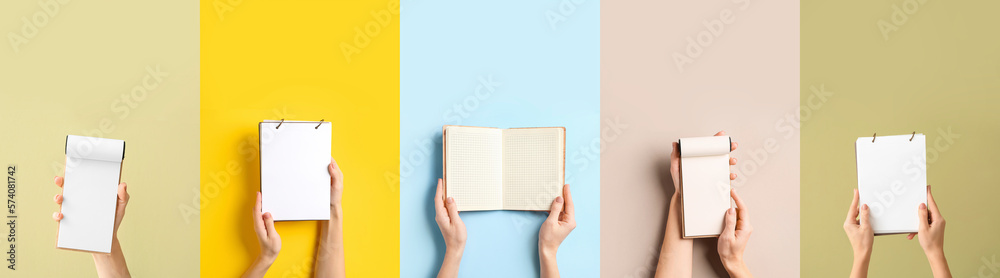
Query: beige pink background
[[746, 82]]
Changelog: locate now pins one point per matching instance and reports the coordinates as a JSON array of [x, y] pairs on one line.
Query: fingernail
[[55, 215], [267, 215], [559, 199], [864, 206], [923, 206], [451, 200]]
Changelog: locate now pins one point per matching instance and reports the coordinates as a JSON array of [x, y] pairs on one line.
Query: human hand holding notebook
[[705, 184], [294, 181], [503, 169], [892, 176]]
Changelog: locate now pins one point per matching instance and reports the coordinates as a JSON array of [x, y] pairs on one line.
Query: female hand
[[931, 235], [111, 264], [453, 231], [555, 229], [734, 237], [861, 235], [267, 237]]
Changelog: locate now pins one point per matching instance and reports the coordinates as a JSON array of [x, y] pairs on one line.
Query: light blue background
[[548, 76]]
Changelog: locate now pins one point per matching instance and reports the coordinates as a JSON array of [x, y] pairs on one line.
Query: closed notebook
[[90, 193], [504, 169], [294, 180], [704, 185], [892, 180]]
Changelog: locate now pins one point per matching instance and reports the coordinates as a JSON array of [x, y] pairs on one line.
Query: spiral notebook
[[294, 180], [705, 185], [504, 169], [90, 193], [892, 180]]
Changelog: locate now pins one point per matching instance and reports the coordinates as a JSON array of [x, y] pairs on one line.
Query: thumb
[[269, 225], [555, 210], [922, 216], [453, 211], [730, 221], [865, 212]]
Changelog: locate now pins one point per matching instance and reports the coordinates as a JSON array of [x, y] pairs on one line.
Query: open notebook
[[294, 180], [892, 180], [90, 193], [705, 185], [504, 169]]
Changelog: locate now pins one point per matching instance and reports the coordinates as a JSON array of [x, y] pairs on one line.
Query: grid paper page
[[474, 176], [533, 168]]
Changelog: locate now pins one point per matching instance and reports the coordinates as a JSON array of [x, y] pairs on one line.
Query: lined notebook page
[[473, 168], [532, 167]]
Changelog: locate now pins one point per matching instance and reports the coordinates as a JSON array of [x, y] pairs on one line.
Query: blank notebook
[[704, 185], [90, 193], [504, 169], [294, 180], [892, 180]]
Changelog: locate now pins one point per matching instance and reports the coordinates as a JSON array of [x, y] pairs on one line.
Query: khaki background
[[70, 78], [745, 82], [938, 74]]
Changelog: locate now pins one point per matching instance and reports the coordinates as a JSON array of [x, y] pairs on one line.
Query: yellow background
[[73, 77], [939, 71], [282, 59]]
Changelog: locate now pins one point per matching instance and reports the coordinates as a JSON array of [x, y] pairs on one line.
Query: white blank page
[[892, 180], [473, 170], [294, 180], [532, 167], [705, 184], [90, 193]]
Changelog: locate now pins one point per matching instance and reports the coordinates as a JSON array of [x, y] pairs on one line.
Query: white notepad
[[704, 184], [90, 193], [892, 180], [294, 180], [504, 169]]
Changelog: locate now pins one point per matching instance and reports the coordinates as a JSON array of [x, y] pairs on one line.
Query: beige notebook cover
[[504, 169], [705, 185]]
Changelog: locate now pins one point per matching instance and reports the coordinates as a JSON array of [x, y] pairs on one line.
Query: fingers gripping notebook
[[504, 169], [892, 180], [704, 184], [294, 180], [90, 193]]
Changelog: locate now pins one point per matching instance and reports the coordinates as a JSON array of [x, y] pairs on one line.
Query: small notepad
[[704, 184], [294, 180], [504, 169], [892, 180], [90, 193]]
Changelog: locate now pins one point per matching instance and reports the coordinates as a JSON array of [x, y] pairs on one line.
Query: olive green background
[[939, 72], [79, 75]]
